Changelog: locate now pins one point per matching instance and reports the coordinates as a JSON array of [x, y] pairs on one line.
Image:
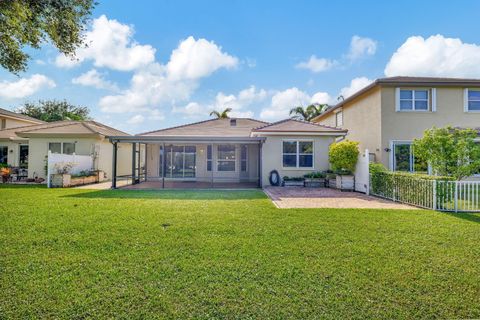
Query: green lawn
[[228, 254]]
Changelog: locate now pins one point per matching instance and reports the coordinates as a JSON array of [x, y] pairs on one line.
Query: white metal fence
[[452, 196]]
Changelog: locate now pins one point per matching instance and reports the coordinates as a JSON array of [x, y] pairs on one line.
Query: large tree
[[309, 112], [449, 151], [221, 114], [53, 110], [30, 23]]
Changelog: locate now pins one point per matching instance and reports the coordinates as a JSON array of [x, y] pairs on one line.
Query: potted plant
[[315, 179], [84, 177], [61, 178], [6, 174], [292, 181], [343, 159]]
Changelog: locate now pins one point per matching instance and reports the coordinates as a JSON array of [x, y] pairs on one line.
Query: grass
[[228, 254]]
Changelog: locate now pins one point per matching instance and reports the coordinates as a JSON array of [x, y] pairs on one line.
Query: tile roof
[[211, 128], [295, 125], [70, 128], [12, 114]]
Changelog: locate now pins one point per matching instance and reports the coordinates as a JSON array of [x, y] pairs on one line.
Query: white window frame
[[224, 160], [3, 123], [209, 160], [338, 123], [466, 100], [430, 98], [61, 146], [298, 154], [392, 164]]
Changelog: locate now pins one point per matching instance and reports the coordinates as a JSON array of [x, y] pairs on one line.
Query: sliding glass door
[[179, 161]]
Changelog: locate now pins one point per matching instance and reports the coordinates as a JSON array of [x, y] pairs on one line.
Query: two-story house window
[[414, 100], [472, 100], [403, 157]]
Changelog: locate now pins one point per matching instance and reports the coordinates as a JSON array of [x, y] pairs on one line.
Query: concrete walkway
[[299, 197]]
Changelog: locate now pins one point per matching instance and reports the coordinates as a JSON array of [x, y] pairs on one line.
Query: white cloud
[[170, 83], [321, 98], [436, 56], [316, 65], [238, 103], [110, 44], [361, 47], [25, 87], [355, 85], [93, 78], [194, 59], [283, 101], [137, 119]]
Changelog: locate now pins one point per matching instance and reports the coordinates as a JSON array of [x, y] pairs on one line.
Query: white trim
[[297, 154], [434, 99], [465, 100], [397, 99]]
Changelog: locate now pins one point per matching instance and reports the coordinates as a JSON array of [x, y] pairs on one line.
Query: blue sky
[[161, 63]]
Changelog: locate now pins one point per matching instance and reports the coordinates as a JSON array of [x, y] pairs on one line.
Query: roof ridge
[[105, 126], [194, 123], [297, 120], [20, 115]]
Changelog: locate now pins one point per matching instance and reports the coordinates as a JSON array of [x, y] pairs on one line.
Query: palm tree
[[221, 115], [309, 112]]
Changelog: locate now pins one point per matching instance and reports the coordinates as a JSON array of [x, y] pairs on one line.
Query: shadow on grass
[[172, 194], [473, 217], [22, 186]]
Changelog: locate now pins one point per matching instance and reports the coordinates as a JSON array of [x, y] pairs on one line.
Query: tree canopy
[[221, 114], [53, 110], [449, 151], [308, 113], [30, 23]]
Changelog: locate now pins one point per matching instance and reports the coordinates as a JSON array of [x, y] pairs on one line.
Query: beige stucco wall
[[272, 159], [411, 125], [38, 150], [153, 164], [362, 119]]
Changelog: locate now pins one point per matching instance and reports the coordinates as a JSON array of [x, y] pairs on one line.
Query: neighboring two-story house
[[388, 114], [14, 149]]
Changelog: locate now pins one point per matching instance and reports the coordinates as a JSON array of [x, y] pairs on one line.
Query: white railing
[[452, 196], [463, 196]]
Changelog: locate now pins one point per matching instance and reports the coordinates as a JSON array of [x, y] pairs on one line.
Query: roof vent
[[233, 122]]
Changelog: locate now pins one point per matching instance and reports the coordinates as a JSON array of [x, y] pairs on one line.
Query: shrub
[[343, 156], [315, 175], [286, 178]]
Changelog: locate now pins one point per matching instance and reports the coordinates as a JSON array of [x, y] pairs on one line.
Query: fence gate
[[362, 175]]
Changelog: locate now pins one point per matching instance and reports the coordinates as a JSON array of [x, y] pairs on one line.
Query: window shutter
[[397, 99], [434, 99], [465, 99]]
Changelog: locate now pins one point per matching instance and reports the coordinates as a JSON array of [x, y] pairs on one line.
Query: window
[[413, 100], [55, 147], [3, 154], [68, 148], [404, 159], [58, 147], [339, 119], [243, 158], [209, 158], [297, 154], [180, 161], [3, 124], [23, 156], [473, 100], [233, 122], [226, 158]]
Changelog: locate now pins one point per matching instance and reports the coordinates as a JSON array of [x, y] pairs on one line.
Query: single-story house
[[227, 151], [68, 137]]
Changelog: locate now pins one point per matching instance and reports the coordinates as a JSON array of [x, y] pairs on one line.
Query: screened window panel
[[55, 147], [68, 148]]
